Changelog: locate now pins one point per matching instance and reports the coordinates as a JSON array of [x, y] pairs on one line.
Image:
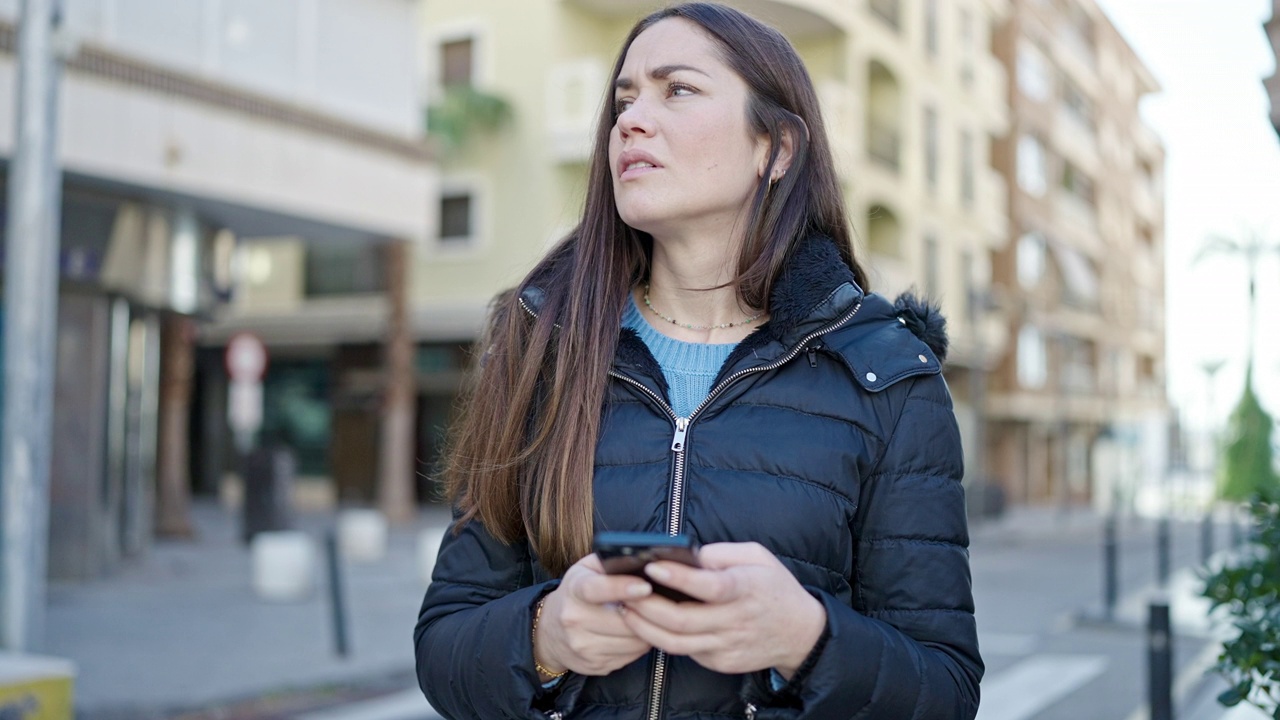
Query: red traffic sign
[[246, 357]]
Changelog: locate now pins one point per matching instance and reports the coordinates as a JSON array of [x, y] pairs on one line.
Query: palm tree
[[1251, 250], [1247, 466]]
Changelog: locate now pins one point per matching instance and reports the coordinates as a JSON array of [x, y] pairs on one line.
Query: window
[[967, 168], [1034, 78], [931, 28], [1077, 183], [884, 233], [344, 270], [931, 148], [931, 266], [1078, 107], [456, 62], [1077, 364], [1032, 171], [886, 10], [1030, 259], [456, 221], [1033, 366]]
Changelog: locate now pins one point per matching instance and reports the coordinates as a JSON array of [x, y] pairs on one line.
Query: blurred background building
[[238, 166], [912, 96], [992, 158], [1273, 83], [1077, 405], [188, 128]]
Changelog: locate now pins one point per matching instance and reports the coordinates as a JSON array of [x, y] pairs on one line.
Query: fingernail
[[638, 590], [657, 572]]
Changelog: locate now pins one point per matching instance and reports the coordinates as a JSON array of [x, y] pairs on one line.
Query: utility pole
[[30, 306]]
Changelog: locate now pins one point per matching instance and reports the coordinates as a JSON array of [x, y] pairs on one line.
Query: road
[[1038, 593]]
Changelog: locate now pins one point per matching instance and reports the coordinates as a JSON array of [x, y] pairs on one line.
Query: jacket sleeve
[[472, 641], [908, 648]]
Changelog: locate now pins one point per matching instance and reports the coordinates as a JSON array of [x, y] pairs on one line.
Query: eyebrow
[[659, 73]]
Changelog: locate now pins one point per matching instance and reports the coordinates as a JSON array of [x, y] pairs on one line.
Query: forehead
[[673, 41]]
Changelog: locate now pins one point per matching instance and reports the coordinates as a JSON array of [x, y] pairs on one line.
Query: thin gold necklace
[[673, 321]]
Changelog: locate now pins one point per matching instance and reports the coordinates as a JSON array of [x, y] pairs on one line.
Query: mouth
[[633, 163]]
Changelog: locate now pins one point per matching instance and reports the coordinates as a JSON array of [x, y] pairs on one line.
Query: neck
[[691, 282]]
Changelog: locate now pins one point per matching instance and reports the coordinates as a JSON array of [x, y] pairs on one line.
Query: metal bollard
[[1162, 551], [341, 644], [1160, 662], [1110, 571], [1206, 538]]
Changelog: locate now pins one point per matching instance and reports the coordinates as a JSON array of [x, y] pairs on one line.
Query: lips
[[634, 163]]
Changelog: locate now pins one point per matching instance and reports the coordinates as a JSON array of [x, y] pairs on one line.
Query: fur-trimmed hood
[[813, 291]]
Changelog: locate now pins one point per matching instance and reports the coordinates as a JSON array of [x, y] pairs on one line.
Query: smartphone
[[626, 553]]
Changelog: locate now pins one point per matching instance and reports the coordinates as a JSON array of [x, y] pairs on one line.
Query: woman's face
[[683, 157]]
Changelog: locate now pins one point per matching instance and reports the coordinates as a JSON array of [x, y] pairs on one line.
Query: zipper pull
[[682, 427], [813, 356], [751, 712]]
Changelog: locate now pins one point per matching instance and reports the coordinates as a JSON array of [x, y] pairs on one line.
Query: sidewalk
[[180, 633]]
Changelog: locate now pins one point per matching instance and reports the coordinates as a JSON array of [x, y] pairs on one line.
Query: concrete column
[[177, 370]]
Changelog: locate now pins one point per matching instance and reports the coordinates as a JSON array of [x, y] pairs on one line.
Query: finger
[[591, 562], [684, 618], [713, 586], [664, 639], [603, 589], [718, 556]]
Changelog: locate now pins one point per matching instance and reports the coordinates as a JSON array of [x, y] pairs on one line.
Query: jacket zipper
[[657, 682], [676, 517]]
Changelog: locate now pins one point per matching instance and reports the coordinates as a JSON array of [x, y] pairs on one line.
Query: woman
[[700, 357]]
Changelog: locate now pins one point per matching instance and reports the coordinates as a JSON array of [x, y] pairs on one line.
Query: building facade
[[912, 99], [1273, 83], [185, 129], [1077, 406]]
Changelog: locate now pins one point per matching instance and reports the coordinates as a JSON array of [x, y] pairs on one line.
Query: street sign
[[246, 357]]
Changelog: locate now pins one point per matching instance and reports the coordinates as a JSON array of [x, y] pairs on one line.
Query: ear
[[786, 151]]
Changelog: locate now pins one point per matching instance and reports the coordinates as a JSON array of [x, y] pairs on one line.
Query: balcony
[[839, 114], [794, 18], [888, 11], [884, 145], [993, 203], [574, 93], [1078, 218]]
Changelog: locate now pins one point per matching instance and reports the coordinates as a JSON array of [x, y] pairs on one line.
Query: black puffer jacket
[[830, 439]]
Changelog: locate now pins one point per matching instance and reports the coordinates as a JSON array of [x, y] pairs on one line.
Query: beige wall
[[530, 181]]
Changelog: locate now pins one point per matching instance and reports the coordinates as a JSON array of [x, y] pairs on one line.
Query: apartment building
[[187, 129], [913, 100], [1076, 404], [1273, 83]]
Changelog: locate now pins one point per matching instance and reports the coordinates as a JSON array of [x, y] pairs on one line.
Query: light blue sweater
[[689, 367]]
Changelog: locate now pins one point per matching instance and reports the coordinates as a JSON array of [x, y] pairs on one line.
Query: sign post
[[246, 361]]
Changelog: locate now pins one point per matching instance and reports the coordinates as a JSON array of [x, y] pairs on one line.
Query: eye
[[676, 89], [621, 104]]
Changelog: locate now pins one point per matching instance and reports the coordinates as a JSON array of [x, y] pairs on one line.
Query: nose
[[635, 120]]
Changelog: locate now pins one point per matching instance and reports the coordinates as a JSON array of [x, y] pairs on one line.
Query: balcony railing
[[888, 11], [884, 145]]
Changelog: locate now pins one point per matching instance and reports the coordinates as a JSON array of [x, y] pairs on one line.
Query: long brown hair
[[521, 457]]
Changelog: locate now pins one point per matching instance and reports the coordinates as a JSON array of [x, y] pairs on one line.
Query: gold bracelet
[[533, 635]]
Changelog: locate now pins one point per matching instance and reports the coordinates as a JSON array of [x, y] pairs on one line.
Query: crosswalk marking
[[1008, 644], [405, 705], [1036, 683]]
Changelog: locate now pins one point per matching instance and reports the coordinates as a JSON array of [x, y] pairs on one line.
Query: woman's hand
[[755, 615], [581, 629]]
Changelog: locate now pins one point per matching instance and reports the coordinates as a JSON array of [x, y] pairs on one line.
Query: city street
[[180, 634]]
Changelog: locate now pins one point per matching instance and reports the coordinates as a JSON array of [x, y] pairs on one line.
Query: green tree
[[1246, 467], [1248, 587]]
